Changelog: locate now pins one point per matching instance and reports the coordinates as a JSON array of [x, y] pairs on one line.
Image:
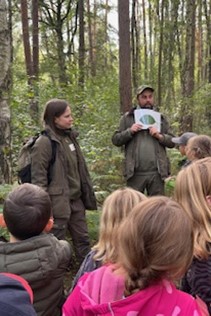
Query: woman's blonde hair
[[199, 147], [116, 207], [193, 186], [155, 242]]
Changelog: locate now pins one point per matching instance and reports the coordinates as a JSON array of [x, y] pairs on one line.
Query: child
[[193, 192], [198, 147], [115, 208], [155, 247], [31, 253], [182, 143], [16, 296]]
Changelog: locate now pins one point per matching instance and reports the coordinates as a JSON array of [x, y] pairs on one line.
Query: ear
[[55, 120], [49, 225], [2, 221], [208, 198]]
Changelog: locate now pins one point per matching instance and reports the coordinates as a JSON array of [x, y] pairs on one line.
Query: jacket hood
[[102, 293], [15, 296]]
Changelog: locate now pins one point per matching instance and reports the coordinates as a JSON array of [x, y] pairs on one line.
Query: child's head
[[182, 141], [193, 192], [27, 211], [155, 243], [116, 207], [199, 147]]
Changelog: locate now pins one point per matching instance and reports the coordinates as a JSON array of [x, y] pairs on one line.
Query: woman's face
[[190, 153], [65, 120]]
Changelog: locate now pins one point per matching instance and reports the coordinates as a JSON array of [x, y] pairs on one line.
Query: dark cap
[[141, 89], [183, 139]]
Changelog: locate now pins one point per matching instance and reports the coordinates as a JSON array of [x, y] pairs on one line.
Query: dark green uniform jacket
[[59, 188], [124, 137]]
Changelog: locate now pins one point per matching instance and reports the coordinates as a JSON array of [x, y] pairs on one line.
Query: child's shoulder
[[189, 304]]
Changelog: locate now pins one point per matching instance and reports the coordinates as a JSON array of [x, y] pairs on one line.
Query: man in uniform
[[146, 161]]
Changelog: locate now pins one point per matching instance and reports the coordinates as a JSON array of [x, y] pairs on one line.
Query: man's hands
[[154, 133], [135, 128], [152, 130]]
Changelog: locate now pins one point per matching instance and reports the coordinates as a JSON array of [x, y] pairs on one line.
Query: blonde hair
[[116, 207], [199, 147], [193, 185], [155, 242]]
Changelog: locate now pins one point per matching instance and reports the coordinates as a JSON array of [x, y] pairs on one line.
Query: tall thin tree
[[125, 88], [186, 119], [81, 43], [5, 131]]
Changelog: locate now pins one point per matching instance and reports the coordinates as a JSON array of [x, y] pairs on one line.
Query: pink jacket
[[100, 292]]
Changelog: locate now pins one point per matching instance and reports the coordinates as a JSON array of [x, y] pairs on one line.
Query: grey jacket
[[58, 188], [124, 137], [89, 264], [43, 261]]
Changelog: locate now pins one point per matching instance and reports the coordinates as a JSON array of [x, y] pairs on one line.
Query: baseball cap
[[15, 296], [183, 139], [142, 88]]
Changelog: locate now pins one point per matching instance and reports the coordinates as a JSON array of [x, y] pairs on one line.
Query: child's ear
[[2, 221], [49, 225], [208, 198]]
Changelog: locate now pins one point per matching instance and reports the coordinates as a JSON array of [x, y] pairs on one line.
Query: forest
[[95, 53]]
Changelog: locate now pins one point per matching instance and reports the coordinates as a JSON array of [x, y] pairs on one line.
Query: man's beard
[[147, 106]]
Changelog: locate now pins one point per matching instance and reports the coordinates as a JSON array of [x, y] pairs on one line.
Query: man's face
[[146, 99]]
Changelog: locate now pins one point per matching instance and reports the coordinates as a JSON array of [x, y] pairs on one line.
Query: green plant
[[4, 191], [93, 218]]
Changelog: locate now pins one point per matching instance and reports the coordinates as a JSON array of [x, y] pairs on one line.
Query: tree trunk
[[207, 17], [186, 118], [135, 43], [81, 43], [146, 70], [160, 55], [31, 55], [35, 39], [106, 34], [124, 56], [90, 36], [26, 41], [5, 132]]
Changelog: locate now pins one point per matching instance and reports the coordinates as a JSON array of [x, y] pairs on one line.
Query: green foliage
[[4, 233], [169, 186], [4, 191], [93, 218], [96, 115], [175, 159], [202, 113], [95, 106]]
